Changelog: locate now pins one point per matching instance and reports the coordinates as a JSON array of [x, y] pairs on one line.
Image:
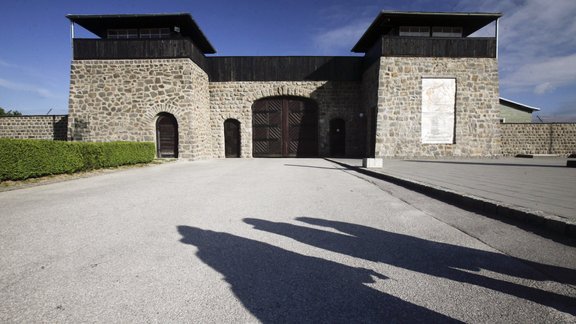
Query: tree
[[9, 112]]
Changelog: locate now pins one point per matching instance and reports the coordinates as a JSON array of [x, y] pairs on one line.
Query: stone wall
[[119, 100], [50, 127], [538, 139], [334, 99], [399, 107]]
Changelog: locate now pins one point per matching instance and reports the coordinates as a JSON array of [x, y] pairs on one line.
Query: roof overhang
[[99, 24], [517, 105], [386, 20]]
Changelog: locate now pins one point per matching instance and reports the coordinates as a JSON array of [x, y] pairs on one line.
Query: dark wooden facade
[[284, 68], [437, 47], [111, 49], [222, 69], [481, 47], [188, 41]]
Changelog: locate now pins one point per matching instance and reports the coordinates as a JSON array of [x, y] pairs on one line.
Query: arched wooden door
[[167, 136], [232, 138], [284, 127], [337, 137]]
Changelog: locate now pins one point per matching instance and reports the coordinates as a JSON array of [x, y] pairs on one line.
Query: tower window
[[446, 31], [415, 31], [122, 33], [155, 33]]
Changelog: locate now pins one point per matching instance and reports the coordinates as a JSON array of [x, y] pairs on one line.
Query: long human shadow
[[280, 286], [442, 260]]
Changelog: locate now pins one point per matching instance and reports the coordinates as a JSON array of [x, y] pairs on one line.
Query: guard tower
[[431, 89], [142, 79]]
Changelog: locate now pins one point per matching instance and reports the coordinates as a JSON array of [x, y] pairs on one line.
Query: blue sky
[[537, 43]]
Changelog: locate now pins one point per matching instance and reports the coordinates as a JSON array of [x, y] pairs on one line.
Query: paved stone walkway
[[541, 185]]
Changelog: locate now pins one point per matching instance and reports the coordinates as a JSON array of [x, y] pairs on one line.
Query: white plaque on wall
[[438, 103]]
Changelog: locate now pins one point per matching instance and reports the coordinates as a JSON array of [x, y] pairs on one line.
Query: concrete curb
[[490, 208]]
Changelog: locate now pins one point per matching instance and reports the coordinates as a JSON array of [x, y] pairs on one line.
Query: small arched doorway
[[337, 137], [166, 136], [232, 138]]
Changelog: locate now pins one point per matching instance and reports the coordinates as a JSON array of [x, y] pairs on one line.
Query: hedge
[[22, 159]]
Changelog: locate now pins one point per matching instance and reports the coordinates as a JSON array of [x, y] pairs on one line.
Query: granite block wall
[[477, 132], [334, 99], [119, 100], [538, 139], [49, 127]]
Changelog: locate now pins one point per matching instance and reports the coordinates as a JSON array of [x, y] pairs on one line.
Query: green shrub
[[22, 159]]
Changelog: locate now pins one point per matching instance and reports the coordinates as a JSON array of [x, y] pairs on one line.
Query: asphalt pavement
[[271, 241]]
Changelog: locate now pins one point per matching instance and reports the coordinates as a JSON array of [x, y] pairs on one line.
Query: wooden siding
[[438, 47], [284, 68], [104, 49]]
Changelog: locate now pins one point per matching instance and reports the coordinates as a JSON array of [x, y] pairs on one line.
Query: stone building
[[423, 88], [515, 112]]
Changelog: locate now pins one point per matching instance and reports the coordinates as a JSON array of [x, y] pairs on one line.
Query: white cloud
[[544, 75], [16, 86], [537, 43], [342, 38]]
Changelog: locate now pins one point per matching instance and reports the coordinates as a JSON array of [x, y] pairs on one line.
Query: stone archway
[[166, 136]]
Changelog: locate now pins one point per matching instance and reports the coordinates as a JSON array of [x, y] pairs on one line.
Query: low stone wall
[[51, 127], [538, 139]]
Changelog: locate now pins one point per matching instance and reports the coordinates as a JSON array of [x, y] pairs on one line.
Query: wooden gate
[[232, 138], [167, 136], [284, 127]]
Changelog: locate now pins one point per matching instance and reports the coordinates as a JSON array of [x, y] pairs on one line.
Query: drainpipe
[[72, 37]]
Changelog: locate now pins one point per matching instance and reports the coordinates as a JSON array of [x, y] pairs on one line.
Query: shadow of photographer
[[280, 286], [442, 260]]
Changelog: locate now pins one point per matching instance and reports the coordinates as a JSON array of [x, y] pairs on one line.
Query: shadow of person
[[442, 260], [280, 286]]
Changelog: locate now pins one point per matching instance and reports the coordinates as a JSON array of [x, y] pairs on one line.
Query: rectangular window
[[155, 33], [446, 31], [122, 33], [438, 106], [415, 31]]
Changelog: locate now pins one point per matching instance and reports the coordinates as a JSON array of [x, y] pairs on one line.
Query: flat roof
[[99, 24], [386, 20]]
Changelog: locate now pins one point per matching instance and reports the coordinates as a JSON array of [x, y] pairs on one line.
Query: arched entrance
[[166, 136], [337, 137], [284, 127], [232, 138]]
